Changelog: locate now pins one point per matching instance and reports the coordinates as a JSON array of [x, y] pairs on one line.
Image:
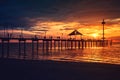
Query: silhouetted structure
[[49, 44], [75, 32]]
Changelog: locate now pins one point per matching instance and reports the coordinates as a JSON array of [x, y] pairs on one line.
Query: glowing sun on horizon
[[95, 35]]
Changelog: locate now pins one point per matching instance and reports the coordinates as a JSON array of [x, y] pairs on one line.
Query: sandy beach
[[13, 69]]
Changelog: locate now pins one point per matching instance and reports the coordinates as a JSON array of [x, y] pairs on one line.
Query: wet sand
[[13, 69]]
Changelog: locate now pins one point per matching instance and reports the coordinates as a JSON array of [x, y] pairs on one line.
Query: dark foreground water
[[109, 54]]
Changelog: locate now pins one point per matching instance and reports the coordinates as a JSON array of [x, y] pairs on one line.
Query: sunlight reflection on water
[[94, 54]]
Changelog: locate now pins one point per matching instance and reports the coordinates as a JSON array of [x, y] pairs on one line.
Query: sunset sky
[[60, 17]]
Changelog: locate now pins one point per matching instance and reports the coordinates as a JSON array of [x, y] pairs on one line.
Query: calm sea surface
[[109, 54]]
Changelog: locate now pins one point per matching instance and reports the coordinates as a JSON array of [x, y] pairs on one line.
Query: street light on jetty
[[4, 31], [103, 23], [21, 32]]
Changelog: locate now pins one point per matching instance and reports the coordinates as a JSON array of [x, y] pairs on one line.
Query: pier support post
[[24, 48], [47, 45], [75, 44], [54, 44], [43, 44], [2, 49], [88, 44], [22, 40], [51, 44], [65, 44], [111, 43], [82, 44], [91, 43], [5, 41], [59, 44], [71, 44], [79, 44], [8, 46], [37, 47], [85, 43], [32, 49], [19, 45], [68, 44]]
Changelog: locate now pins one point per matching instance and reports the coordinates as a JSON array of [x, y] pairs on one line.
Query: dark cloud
[[27, 12]]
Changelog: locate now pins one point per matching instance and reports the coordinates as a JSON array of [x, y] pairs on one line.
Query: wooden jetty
[[49, 44]]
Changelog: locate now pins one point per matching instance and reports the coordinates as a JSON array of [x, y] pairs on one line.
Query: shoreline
[[15, 69]]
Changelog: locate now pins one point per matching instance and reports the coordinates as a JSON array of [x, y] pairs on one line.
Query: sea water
[[109, 54]]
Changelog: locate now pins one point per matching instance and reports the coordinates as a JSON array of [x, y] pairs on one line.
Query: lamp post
[[4, 31], [45, 33], [103, 23], [21, 33]]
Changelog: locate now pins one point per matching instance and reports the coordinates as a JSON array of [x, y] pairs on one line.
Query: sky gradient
[[60, 17]]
